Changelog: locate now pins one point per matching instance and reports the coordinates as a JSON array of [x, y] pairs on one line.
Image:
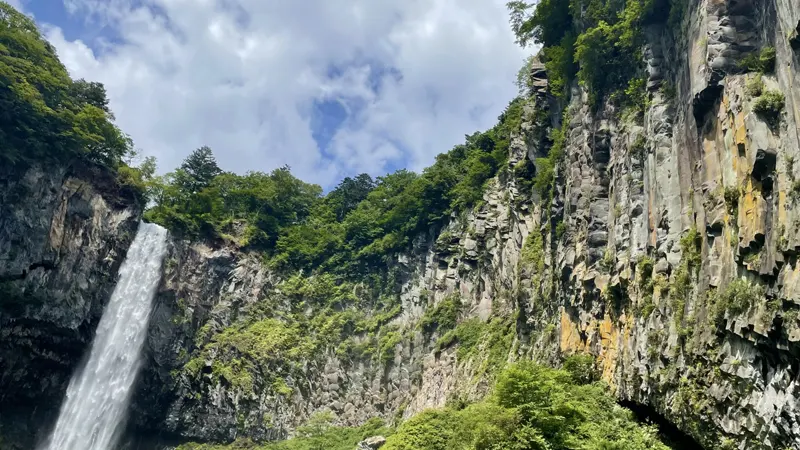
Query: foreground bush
[[532, 407]]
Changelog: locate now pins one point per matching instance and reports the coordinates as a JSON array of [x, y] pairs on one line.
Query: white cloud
[[243, 77]]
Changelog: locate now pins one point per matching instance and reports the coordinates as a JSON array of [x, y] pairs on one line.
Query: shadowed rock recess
[[661, 238]]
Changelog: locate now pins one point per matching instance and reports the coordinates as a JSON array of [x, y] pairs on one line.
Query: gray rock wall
[[64, 231]]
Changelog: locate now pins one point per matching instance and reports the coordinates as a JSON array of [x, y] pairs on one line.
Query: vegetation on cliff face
[[532, 407], [596, 41]]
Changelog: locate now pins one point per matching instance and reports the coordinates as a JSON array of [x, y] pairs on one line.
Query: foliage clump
[[443, 316], [242, 354], [754, 86], [532, 407], [736, 298], [318, 433], [489, 341], [770, 106], [47, 116], [762, 62], [352, 229], [596, 41]]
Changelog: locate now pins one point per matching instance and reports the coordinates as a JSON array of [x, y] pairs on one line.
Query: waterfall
[[94, 409]]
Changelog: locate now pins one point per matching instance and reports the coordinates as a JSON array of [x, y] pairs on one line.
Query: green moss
[[561, 229], [489, 341], [639, 146], [546, 167], [280, 387], [243, 353], [608, 262], [387, 344], [533, 252]]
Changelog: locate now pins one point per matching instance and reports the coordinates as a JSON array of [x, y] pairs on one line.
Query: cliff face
[[679, 263], [63, 234], [668, 250]]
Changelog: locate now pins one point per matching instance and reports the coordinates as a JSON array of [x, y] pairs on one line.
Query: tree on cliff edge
[[201, 168]]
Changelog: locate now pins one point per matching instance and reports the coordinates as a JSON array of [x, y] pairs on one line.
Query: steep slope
[[64, 232]]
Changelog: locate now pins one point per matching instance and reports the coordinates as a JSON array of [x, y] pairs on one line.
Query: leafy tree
[[200, 168], [92, 93], [43, 113], [349, 193], [545, 22]]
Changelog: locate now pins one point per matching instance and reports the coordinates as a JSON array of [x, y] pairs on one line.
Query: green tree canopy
[[43, 113]]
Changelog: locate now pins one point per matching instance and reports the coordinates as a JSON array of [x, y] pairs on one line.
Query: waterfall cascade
[[93, 412]]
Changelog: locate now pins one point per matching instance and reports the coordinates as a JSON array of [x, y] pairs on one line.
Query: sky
[[332, 88]]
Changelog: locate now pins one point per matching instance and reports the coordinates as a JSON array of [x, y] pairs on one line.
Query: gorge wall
[[64, 232], [667, 250]]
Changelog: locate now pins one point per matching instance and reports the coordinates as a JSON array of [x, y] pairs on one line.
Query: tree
[[201, 168], [43, 113], [349, 193], [93, 93], [546, 25]]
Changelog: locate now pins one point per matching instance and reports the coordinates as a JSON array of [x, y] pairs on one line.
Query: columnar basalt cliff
[[666, 247]]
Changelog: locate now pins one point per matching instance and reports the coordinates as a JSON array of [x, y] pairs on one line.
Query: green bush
[[318, 433], [763, 62], [387, 344], [245, 354], [533, 408], [444, 316], [736, 298], [770, 106], [581, 368], [490, 341], [754, 86]]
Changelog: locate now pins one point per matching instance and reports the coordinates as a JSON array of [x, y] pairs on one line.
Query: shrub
[[763, 62], [387, 344], [443, 316], [770, 106], [754, 85], [737, 297], [581, 368], [732, 195], [561, 229]]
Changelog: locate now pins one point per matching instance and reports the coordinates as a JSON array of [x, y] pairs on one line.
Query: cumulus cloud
[[330, 87]]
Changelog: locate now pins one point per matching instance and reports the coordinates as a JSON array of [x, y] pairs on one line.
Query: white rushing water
[[93, 412]]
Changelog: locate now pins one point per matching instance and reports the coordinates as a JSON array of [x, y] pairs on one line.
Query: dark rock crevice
[[45, 265], [668, 431]]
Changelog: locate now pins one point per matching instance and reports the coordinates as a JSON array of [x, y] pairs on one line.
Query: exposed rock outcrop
[[64, 231]]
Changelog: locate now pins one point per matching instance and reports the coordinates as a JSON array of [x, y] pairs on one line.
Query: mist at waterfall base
[[93, 412]]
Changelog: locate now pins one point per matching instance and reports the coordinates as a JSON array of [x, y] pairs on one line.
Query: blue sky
[[330, 87]]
